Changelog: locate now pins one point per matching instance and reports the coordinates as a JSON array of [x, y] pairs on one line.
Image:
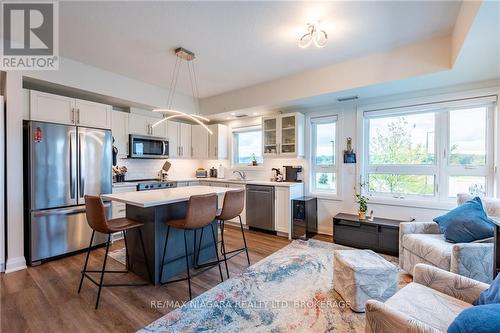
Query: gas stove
[[155, 185]]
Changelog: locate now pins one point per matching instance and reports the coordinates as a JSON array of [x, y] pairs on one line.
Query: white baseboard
[[15, 264], [116, 236], [2, 267]]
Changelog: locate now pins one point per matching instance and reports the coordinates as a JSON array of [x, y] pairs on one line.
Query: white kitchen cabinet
[[199, 142], [179, 139], [218, 142], [185, 140], [283, 135], [142, 124], [243, 213], [283, 197], [119, 129], [173, 130], [69, 111], [92, 114]]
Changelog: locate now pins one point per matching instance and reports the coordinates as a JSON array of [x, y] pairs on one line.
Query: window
[[323, 159], [247, 143], [429, 154]]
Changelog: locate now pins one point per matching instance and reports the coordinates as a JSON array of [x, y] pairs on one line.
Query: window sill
[[424, 204], [247, 167]]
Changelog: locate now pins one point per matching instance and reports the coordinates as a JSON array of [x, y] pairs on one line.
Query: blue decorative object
[[477, 319], [466, 223], [490, 295]]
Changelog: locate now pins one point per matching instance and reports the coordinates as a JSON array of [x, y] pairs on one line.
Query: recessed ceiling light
[[233, 114], [255, 113], [228, 118]]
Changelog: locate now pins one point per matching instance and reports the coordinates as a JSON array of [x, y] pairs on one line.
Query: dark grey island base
[[154, 233]]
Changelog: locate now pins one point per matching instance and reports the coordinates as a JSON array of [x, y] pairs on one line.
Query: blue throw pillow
[[466, 223], [477, 319], [490, 295]]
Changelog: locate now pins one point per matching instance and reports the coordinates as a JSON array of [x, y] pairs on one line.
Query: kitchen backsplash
[[149, 168]]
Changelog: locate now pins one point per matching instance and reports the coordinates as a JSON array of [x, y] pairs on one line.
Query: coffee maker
[[291, 173]]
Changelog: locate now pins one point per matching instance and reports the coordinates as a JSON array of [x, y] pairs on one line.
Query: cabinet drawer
[[361, 236]]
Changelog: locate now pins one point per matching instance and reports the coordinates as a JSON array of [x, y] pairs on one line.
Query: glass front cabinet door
[[283, 135]]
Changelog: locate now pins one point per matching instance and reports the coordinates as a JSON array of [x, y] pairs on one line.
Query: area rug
[[118, 255], [289, 291]]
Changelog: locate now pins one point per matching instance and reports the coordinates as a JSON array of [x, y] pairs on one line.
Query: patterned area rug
[[289, 291], [118, 255]]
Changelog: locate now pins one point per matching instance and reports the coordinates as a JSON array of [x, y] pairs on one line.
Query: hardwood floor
[[45, 298]]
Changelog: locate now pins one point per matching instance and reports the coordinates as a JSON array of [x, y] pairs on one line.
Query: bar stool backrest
[[96, 214], [201, 210], [234, 202]]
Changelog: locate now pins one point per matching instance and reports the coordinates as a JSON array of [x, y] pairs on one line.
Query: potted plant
[[363, 206], [254, 160], [362, 201]]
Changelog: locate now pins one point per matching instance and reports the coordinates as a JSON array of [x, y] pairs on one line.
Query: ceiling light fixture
[[169, 113], [315, 35]]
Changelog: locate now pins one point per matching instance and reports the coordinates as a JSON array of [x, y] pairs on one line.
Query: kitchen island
[[153, 208]]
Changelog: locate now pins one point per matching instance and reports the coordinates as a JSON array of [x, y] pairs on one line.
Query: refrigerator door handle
[[72, 167], [81, 163], [65, 211]]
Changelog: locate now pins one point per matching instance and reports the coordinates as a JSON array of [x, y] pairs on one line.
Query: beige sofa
[[422, 242], [427, 305]]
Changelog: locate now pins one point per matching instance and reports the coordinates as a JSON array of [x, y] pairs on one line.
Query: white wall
[[2, 182]]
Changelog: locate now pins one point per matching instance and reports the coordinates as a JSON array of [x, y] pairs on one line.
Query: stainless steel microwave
[[141, 146]]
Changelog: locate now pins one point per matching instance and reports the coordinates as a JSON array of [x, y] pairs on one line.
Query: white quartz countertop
[[163, 197], [237, 181]]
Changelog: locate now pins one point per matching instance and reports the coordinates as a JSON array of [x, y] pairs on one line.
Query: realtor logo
[[30, 35]]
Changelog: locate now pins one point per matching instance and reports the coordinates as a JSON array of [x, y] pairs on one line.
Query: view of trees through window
[[324, 155], [402, 152]]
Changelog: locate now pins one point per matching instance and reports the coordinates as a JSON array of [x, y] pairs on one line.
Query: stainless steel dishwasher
[[260, 207]]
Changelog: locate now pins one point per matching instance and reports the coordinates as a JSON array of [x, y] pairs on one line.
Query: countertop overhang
[[154, 198]]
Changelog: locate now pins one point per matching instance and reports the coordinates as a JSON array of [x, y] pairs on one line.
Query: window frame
[[441, 169], [314, 169], [234, 150]]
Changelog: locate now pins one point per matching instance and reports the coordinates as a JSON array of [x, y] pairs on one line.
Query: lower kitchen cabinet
[[119, 209], [283, 197]]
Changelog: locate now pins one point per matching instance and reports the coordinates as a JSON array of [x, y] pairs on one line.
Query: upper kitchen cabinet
[[283, 135], [179, 139], [218, 142], [199, 142], [119, 129], [142, 124], [65, 110]]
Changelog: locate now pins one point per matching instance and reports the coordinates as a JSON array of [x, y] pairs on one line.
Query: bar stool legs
[[244, 240], [223, 246], [100, 283], [86, 261], [196, 256], [233, 252]]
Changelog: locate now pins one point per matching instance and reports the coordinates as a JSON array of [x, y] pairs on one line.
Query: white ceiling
[[239, 44]]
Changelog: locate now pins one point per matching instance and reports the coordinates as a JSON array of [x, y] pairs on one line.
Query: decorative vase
[[362, 215]]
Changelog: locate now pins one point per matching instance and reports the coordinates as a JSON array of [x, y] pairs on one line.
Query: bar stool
[[97, 220], [201, 211], [234, 202]]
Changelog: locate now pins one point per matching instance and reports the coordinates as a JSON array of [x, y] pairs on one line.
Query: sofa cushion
[[432, 307], [466, 223], [431, 247], [477, 319], [490, 295]]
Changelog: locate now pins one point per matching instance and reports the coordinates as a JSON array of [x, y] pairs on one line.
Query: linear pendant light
[[182, 55]]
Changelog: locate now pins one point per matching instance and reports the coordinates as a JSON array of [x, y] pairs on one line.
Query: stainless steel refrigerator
[[62, 163]]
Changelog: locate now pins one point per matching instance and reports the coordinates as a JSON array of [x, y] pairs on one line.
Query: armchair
[[422, 242], [427, 305]]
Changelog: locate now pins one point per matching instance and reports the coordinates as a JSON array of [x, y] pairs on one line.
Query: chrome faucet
[[242, 174]]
